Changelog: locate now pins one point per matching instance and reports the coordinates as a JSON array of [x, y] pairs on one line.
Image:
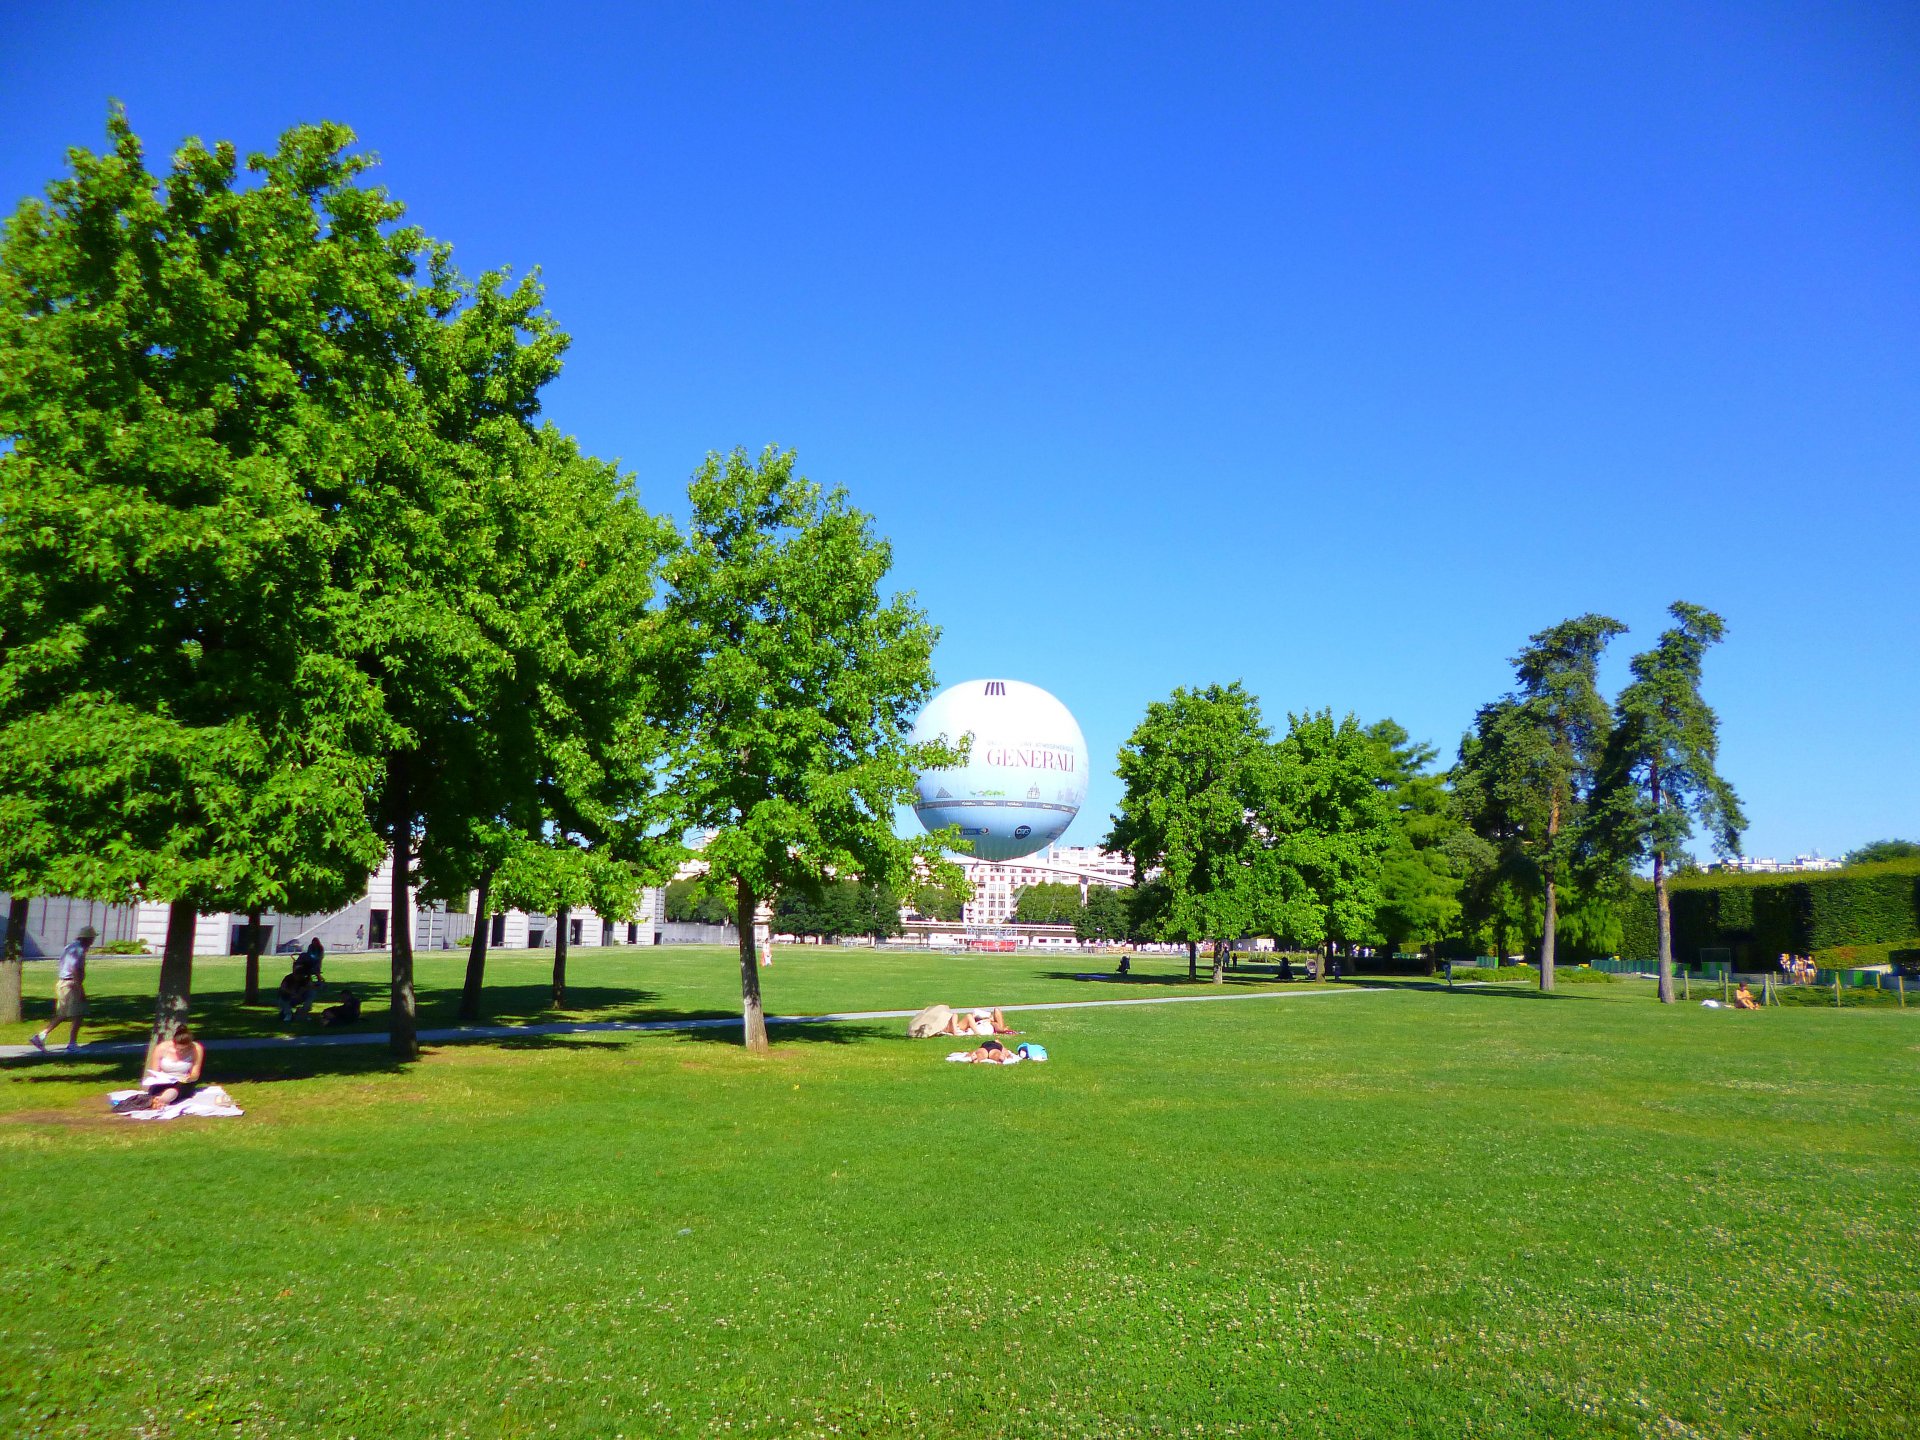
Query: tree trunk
[[12, 959], [1663, 917], [403, 1037], [1193, 960], [252, 996], [477, 953], [175, 996], [1550, 933], [1219, 962], [1664, 922], [563, 920], [753, 1019], [1546, 936]]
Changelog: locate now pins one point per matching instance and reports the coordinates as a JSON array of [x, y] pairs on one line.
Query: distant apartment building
[[365, 924], [1767, 865], [997, 884]]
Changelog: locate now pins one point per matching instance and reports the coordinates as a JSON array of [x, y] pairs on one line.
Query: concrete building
[[366, 924], [997, 884], [1767, 865]]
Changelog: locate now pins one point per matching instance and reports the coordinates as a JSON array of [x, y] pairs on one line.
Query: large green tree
[[564, 748], [940, 902], [1104, 916], [1198, 774], [183, 360], [1327, 825], [1658, 777], [1526, 778], [428, 523], [799, 681], [694, 901], [839, 907], [1052, 903], [1423, 865]]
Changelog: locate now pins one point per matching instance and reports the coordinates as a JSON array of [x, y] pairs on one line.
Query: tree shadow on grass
[[820, 1032], [1509, 990], [224, 1067], [224, 1015], [1159, 981], [533, 1005]]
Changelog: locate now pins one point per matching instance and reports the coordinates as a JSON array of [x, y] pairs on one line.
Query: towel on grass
[[207, 1100], [965, 1057]]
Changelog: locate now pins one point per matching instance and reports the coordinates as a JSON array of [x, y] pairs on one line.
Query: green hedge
[[1760, 917]]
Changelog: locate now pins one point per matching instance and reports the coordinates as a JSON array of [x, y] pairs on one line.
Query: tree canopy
[[184, 364], [1104, 916], [1877, 850], [1198, 772], [289, 571], [1525, 776], [1657, 779], [799, 683], [1051, 903]]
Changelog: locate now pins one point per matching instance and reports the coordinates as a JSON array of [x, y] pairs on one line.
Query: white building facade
[[997, 884], [366, 924]]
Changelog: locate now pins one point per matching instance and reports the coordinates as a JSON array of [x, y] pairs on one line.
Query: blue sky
[[1330, 348]]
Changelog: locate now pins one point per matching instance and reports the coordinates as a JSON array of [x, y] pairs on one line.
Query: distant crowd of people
[[1797, 969]]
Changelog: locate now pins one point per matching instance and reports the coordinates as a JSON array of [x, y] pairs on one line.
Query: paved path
[[602, 1027]]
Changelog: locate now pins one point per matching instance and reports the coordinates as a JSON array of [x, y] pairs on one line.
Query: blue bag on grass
[[1033, 1052]]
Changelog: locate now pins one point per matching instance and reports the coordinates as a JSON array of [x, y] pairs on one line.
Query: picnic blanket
[[207, 1100]]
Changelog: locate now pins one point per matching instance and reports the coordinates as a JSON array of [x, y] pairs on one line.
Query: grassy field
[[1405, 1212]]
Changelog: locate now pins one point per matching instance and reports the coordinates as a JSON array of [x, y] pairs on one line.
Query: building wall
[[53, 921], [997, 885]]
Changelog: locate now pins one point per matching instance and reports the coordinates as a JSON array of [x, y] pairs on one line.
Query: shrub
[[1821, 996], [1488, 972], [1760, 917], [121, 947], [1861, 957], [1582, 975]]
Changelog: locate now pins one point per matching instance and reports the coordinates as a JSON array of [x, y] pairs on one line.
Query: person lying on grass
[[981, 1022], [992, 1053], [173, 1068]]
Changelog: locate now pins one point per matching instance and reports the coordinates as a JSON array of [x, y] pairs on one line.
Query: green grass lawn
[[676, 982], [1398, 1213]]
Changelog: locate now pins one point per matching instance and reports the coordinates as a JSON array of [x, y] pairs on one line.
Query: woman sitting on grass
[[173, 1069]]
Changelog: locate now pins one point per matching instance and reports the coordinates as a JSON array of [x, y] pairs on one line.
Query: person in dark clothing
[[345, 1013], [308, 962], [296, 996]]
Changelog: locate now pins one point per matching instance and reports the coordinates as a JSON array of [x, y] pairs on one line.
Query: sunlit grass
[[1415, 1212]]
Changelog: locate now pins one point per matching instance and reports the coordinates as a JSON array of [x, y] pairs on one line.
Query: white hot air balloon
[[1025, 777]]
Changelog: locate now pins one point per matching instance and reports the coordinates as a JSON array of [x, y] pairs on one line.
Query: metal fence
[[1714, 970]]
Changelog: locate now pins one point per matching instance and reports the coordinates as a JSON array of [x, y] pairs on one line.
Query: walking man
[[69, 991]]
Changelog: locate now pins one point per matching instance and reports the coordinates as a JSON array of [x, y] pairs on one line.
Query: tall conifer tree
[[1658, 776]]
